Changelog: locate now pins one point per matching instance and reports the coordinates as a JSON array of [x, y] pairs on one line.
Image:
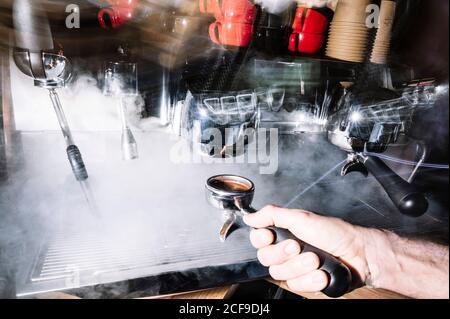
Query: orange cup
[[231, 34]]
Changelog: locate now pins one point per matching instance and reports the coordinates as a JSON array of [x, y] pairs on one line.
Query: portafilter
[[234, 195], [366, 123]]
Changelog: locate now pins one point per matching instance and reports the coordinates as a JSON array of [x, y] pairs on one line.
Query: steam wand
[[33, 44], [32, 55], [129, 145], [74, 154], [120, 81]]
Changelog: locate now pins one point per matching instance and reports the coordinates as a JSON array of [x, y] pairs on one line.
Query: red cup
[[231, 34], [309, 21], [235, 11], [119, 12], [215, 30], [308, 43]]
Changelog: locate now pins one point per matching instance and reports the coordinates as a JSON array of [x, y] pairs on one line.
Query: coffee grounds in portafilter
[[229, 185]]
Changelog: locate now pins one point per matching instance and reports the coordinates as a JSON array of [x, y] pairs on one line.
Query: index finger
[[272, 216], [326, 233]]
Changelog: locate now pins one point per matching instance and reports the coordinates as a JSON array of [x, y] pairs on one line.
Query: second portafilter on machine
[[365, 123]]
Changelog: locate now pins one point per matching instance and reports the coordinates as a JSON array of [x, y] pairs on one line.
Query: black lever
[[408, 199]]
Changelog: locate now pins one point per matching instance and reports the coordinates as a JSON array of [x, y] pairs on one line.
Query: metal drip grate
[[73, 261]]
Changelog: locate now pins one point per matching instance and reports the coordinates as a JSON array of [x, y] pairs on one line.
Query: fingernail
[[291, 248]]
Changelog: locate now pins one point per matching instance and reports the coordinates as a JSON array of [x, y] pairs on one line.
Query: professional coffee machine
[[200, 100]]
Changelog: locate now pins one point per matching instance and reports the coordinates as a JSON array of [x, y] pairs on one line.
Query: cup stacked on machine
[[115, 13], [381, 47], [234, 21], [308, 31], [349, 34]]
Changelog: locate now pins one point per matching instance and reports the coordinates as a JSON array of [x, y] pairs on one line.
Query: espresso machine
[[215, 76]]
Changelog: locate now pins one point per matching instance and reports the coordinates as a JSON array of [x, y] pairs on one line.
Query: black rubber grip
[[76, 162], [408, 199], [339, 275]]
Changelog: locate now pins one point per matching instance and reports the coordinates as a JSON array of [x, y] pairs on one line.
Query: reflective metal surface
[[218, 124], [233, 195], [58, 69]]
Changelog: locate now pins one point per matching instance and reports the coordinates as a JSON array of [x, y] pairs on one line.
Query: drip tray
[[69, 261]]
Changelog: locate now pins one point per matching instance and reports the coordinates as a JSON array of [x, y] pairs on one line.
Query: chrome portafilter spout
[[234, 194]]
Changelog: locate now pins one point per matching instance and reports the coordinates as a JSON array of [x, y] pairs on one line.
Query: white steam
[[275, 6], [278, 6]]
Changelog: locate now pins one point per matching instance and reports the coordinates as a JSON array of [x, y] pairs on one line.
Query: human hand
[[301, 270]]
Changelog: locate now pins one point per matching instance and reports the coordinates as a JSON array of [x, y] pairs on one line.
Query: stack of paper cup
[[382, 42], [349, 34]]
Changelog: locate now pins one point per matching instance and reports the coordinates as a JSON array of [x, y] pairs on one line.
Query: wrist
[[409, 267], [358, 261], [380, 258]]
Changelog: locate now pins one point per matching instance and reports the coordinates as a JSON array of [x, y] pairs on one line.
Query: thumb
[[326, 233]]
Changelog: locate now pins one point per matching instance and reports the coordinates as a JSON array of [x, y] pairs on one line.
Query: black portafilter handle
[[339, 275], [76, 162], [408, 199]]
